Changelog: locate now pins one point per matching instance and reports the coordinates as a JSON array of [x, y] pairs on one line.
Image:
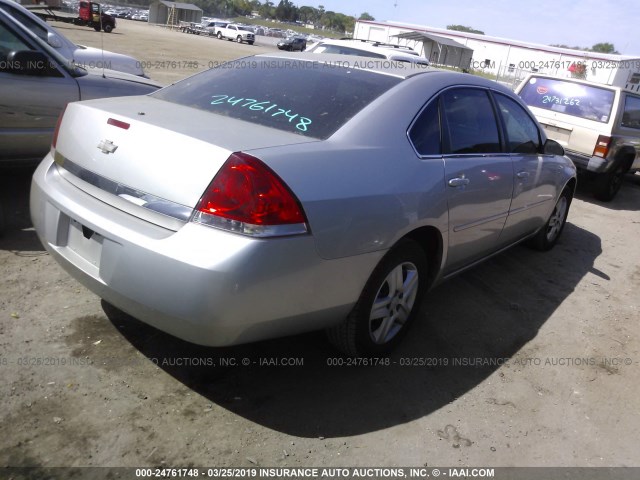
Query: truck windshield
[[572, 98]]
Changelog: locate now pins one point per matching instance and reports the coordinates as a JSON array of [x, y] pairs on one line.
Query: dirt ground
[[531, 359]]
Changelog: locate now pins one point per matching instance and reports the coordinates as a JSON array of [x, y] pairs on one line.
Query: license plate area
[[560, 135], [85, 242]]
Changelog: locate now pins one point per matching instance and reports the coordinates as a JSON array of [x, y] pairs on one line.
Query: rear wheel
[[387, 305], [548, 235], [608, 184], [108, 28], [219, 35]]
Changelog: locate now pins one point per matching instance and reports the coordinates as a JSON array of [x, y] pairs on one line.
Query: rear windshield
[[563, 96], [308, 98]]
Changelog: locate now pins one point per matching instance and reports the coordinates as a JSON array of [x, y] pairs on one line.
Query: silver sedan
[[284, 193]]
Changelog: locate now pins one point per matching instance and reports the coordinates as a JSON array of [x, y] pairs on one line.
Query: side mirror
[[54, 40], [30, 62], [551, 147]]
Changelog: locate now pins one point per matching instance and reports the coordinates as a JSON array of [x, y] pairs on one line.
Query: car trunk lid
[[141, 152]]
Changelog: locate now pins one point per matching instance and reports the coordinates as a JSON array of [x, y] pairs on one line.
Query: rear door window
[[631, 114], [471, 122], [425, 132], [572, 98], [304, 97]]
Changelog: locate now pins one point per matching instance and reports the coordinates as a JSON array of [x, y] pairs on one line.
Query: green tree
[[463, 28], [366, 16], [266, 10], [308, 14], [604, 47], [286, 11]]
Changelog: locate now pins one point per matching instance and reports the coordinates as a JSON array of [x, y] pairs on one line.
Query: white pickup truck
[[235, 32]]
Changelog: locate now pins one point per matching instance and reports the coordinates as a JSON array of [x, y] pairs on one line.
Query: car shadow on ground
[[16, 231], [467, 327], [628, 198]]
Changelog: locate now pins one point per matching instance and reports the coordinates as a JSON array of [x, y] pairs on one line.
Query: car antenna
[[102, 42]]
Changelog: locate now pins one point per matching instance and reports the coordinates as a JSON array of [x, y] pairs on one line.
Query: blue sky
[[582, 22]]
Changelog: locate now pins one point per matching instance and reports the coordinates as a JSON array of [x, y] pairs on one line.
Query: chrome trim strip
[[259, 231], [136, 197], [459, 228]]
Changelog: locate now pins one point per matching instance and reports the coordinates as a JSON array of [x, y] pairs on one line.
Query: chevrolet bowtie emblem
[[107, 147]]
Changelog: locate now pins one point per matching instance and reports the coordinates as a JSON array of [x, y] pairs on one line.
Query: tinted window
[[425, 133], [631, 115], [471, 123], [26, 21], [564, 96], [303, 97], [522, 132], [9, 42]]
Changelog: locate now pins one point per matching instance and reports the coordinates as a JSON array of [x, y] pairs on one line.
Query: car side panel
[[29, 109], [477, 210]]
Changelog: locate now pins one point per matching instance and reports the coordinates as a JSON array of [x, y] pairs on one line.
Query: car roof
[[378, 65], [383, 49]]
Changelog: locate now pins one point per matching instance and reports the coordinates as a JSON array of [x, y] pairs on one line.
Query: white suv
[[371, 49], [598, 126]]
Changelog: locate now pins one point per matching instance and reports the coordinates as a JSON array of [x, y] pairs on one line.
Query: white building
[[508, 59]]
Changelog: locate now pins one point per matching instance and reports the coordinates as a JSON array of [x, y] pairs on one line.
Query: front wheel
[[387, 305], [239, 39], [107, 28], [548, 235]]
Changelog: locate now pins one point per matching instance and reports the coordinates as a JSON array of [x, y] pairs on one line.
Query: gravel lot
[[84, 384]]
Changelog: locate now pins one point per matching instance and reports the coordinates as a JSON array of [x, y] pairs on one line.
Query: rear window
[[576, 99], [308, 98]]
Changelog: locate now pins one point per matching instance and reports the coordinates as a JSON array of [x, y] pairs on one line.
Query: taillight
[[56, 131], [247, 197], [602, 146]]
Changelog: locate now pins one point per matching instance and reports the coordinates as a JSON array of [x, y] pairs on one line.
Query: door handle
[[522, 175], [458, 182]]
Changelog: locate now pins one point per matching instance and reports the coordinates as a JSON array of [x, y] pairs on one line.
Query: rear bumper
[[203, 285], [589, 163]]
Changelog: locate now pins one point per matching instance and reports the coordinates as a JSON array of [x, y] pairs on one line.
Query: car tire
[[219, 35], [1, 221], [250, 43], [607, 185], [396, 285], [239, 39], [548, 235], [108, 28], [96, 27]]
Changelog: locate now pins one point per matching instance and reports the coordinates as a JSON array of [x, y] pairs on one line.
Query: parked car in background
[[37, 82], [292, 44], [318, 196], [360, 48], [598, 125], [235, 32], [80, 54]]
